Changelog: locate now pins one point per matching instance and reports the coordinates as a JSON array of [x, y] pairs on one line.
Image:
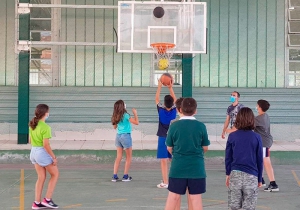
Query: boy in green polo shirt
[[187, 141]]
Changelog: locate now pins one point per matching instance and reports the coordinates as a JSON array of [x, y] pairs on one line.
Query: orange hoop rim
[[162, 47]]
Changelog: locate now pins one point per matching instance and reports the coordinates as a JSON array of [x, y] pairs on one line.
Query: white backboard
[[183, 23]]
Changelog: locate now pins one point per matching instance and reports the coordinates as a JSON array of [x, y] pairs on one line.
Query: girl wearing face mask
[[42, 157]]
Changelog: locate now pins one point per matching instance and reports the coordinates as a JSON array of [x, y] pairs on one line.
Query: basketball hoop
[[164, 52]]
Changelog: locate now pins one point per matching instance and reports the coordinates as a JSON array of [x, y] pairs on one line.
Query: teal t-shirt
[[41, 132], [124, 126], [187, 136]]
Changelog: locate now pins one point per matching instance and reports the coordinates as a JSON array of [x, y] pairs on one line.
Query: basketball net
[[163, 50]]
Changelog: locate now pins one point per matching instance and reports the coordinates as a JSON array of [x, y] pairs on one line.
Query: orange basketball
[[166, 79]]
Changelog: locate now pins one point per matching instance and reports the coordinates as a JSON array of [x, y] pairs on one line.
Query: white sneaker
[[163, 185]]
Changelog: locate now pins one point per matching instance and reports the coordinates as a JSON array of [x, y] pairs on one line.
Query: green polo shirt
[[187, 136], [41, 132]]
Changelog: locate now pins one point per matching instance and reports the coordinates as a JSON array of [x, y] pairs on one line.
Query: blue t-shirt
[[244, 153], [124, 126], [164, 118]]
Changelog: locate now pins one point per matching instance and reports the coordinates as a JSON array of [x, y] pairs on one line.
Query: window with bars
[[293, 48], [40, 57]]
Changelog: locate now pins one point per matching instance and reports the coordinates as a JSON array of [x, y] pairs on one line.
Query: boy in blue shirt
[[244, 162], [166, 113]]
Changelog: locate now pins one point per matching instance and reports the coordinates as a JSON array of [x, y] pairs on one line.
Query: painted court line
[[72, 206], [116, 200], [22, 190], [296, 177]]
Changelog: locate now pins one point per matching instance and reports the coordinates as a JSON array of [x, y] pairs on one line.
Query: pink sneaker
[[38, 206]]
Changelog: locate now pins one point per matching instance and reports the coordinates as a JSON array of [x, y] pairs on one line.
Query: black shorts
[[194, 186]]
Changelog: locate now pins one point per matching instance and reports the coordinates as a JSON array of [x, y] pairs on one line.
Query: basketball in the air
[[166, 79], [163, 63]]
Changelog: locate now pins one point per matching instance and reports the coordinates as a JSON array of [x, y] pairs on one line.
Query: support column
[[187, 75], [23, 77]]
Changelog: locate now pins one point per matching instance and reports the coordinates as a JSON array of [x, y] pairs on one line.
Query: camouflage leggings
[[243, 190]]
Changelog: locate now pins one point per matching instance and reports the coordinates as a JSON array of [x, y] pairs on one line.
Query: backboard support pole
[[187, 75]]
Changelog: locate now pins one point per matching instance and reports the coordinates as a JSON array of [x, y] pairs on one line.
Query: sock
[[273, 183], [115, 175], [36, 202], [48, 199], [125, 176]]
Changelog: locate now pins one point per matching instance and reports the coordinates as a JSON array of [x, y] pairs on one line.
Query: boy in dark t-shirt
[[166, 113], [232, 111]]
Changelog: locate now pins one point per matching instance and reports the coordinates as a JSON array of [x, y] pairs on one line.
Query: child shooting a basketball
[[187, 141], [262, 127], [166, 113], [43, 158], [243, 162], [121, 121]]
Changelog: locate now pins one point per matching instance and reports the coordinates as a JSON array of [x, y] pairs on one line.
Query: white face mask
[[125, 106], [47, 116]]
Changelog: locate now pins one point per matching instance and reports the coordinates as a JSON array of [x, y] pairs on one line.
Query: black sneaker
[[272, 188], [38, 206], [126, 179], [263, 183], [114, 179], [49, 204]]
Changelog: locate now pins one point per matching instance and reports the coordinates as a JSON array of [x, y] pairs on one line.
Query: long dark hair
[[119, 111], [39, 112], [244, 119]]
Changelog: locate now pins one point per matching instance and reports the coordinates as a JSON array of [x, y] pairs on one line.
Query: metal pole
[[71, 6], [35, 43], [187, 75], [23, 77]]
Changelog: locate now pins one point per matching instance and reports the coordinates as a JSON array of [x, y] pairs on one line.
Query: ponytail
[[33, 123], [40, 112]]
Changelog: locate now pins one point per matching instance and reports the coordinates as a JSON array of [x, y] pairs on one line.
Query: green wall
[[245, 47], [7, 42], [98, 66], [245, 44]]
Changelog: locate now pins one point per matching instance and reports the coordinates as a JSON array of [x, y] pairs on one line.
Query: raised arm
[[134, 120], [157, 96], [172, 91]]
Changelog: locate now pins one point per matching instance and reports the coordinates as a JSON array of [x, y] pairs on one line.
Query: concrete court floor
[[88, 186]]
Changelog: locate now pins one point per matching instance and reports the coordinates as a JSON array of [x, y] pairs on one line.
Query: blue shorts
[[194, 186], [162, 151], [38, 155], [123, 140]]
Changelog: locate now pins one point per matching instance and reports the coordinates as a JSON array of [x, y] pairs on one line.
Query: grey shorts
[[38, 155], [243, 190], [123, 140]]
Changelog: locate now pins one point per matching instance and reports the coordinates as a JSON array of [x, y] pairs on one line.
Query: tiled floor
[[137, 145]]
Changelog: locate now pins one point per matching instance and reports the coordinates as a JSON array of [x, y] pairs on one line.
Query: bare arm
[[226, 123], [205, 148], [172, 91], [115, 126], [170, 149], [230, 130], [29, 140], [48, 149], [158, 92], [134, 120]]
